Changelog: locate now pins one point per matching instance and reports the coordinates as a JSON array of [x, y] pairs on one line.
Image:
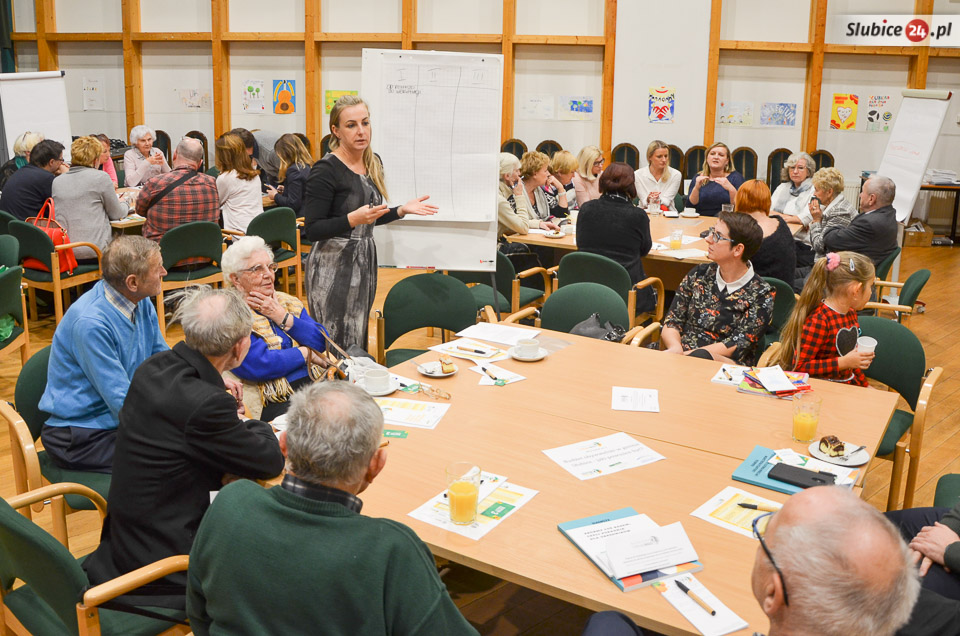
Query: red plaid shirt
[[826, 336], [193, 200]]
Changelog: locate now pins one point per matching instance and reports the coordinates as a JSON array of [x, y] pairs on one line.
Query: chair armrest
[[20, 435], [523, 313], [657, 285], [888, 307], [886, 283], [132, 580], [643, 335], [56, 490], [768, 355], [301, 221], [527, 273], [70, 246], [231, 232], [489, 314]]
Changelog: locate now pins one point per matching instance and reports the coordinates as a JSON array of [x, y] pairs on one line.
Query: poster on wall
[[252, 99], [843, 112], [879, 115], [735, 113], [93, 94], [537, 107], [194, 100], [284, 97], [330, 98], [782, 114], [661, 105], [575, 107]]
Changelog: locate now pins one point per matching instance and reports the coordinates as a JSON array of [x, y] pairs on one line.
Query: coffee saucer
[[541, 354], [394, 385]]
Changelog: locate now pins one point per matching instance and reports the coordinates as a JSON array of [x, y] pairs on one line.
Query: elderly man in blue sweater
[[100, 342]]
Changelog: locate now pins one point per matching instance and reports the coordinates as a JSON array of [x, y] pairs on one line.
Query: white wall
[[24, 16], [361, 16], [459, 16], [175, 15], [275, 15], [168, 67], [757, 20], [27, 57], [89, 16], [340, 64], [561, 17], [282, 61], [101, 61]]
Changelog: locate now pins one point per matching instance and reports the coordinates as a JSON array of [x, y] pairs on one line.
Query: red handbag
[[48, 223]]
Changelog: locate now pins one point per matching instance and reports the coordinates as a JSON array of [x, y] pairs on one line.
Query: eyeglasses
[[261, 270], [716, 237], [759, 529], [427, 389], [599, 162]]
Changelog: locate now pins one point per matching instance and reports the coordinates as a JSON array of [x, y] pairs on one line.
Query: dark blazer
[[615, 228], [293, 185], [777, 257], [873, 234], [179, 435]]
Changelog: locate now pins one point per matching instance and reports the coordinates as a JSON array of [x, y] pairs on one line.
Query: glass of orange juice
[[676, 239], [463, 489], [806, 416]]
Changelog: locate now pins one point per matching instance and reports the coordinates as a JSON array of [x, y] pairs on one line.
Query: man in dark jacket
[[874, 232], [26, 190]]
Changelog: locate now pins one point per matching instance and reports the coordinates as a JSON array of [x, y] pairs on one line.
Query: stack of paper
[[757, 382], [756, 467], [940, 176]]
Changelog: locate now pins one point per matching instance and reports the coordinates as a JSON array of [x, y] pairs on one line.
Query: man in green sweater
[[300, 558]]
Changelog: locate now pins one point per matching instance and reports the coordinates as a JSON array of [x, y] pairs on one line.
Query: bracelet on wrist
[[283, 323]]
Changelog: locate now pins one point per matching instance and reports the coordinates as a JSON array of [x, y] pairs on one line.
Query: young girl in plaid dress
[[821, 336]]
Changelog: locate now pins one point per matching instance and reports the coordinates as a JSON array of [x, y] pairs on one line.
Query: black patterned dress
[[341, 272]]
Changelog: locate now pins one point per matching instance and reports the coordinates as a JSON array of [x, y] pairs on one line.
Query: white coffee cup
[[528, 348], [376, 380], [866, 344]]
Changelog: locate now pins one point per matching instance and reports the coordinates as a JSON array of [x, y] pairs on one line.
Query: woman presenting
[[343, 200], [717, 183]]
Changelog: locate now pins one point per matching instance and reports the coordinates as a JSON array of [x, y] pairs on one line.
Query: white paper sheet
[[639, 552], [729, 374], [723, 510], [509, 377], [415, 413], [499, 505], [501, 334], [630, 399], [723, 623], [774, 379], [465, 348], [603, 456], [593, 539]]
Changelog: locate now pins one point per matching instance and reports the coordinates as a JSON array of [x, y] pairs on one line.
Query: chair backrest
[[626, 153], [693, 160], [504, 276], [514, 147], [913, 286], [5, 218], [34, 242], [823, 158], [678, 202], [427, 300], [325, 145], [900, 362], [584, 267], [31, 383], [213, 172], [190, 240], [884, 267], [9, 250], [775, 161], [549, 147], [745, 162], [275, 225], [196, 134], [676, 157], [10, 293], [162, 142], [31, 554], [783, 302], [575, 303]]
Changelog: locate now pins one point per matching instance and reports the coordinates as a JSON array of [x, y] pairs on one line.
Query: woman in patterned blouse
[[722, 309]]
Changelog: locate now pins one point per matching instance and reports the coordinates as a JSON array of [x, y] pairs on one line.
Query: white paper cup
[[376, 380], [866, 344], [528, 348]]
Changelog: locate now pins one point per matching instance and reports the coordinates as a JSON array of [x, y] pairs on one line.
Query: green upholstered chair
[[324, 145], [745, 162], [423, 300], [909, 293], [278, 227], [510, 294], [514, 147], [213, 172], [823, 158], [676, 158], [12, 303], [901, 365], [34, 243], [584, 267], [9, 250], [883, 269], [121, 177], [54, 581], [5, 218], [775, 161], [678, 201], [626, 153], [693, 160], [549, 147], [32, 468], [198, 239], [575, 303], [948, 491], [783, 303]]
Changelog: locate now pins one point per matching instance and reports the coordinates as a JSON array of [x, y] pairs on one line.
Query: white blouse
[[667, 186]]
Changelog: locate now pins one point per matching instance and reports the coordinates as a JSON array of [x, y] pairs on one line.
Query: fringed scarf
[[279, 390]]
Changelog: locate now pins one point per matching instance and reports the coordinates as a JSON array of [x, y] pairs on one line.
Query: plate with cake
[[830, 449], [442, 368]]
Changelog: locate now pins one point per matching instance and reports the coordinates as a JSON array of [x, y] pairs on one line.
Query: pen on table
[[490, 373], [760, 507], [471, 350], [384, 443], [699, 601], [726, 373]]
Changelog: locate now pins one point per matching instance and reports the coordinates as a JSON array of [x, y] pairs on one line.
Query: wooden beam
[[713, 72], [312, 90], [220, 13], [24, 37], [609, 56], [46, 14], [457, 38], [939, 51], [565, 40], [506, 47], [773, 47], [917, 77], [358, 37], [241, 36], [856, 49], [814, 79], [85, 37], [408, 23], [132, 64]]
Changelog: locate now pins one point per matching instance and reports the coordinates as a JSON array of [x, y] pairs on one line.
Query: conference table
[[704, 430]]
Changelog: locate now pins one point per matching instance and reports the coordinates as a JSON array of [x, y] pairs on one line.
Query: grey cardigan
[[85, 203]]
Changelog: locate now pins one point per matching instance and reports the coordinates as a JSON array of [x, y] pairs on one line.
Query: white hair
[[508, 163], [236, 256], [213, 320], [139, 131], [883, 187]]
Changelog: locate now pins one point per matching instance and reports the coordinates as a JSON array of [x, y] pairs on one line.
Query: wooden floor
[[497, 607]]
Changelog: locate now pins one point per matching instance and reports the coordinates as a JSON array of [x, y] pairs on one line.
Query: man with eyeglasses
[[26, 190]]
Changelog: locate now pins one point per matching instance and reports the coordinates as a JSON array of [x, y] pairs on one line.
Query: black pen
[[490, 373], [480, 351], [699, 601]]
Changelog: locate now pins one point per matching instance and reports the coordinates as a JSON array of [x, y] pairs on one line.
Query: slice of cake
[[832, 446]]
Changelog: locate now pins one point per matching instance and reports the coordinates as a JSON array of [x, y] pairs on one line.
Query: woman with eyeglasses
[[717, 183], [286, 343], [722, 308], [586, 180]]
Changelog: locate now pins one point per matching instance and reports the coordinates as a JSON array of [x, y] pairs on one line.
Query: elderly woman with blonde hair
[[586, 180], [286, 343], [559, 189], [513, 212], [143, 160], [21, 154], [535, 171], [828, 209]]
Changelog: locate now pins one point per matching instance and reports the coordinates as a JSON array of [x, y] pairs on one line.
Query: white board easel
[[35, 102]]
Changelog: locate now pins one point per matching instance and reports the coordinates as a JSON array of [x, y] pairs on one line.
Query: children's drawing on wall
[[879, 115], [575, 107], [661, 105], [330, 98], [537, 107], [194, 100], [843, 113], [252, 99], [735, 113], [284, 97], [93, 94], [778, 114]]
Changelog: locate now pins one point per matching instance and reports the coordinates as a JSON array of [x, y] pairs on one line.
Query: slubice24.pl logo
[[896, 30]]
